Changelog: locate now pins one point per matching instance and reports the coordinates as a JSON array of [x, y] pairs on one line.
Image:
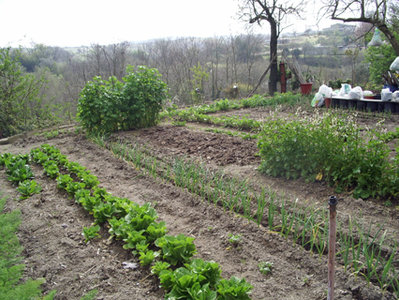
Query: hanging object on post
[[376, 40]]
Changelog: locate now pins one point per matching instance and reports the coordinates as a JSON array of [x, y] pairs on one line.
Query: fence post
[[331, 245]]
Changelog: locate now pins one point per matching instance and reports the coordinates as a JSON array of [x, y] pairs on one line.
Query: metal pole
[[331, 246]]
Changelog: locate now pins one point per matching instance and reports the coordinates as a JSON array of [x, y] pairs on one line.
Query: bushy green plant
[[98, 105], [332, 148], [147, 257], [108, 106], [143, 96], [21, 105], [209, 269], [379, 59]]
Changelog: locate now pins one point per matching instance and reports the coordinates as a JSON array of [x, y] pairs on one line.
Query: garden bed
[[51, 231]]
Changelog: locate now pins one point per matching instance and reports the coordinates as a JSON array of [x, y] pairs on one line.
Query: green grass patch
[[12, 286]]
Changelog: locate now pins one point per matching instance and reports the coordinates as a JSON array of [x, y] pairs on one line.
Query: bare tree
[[374, 12], [274, 12]]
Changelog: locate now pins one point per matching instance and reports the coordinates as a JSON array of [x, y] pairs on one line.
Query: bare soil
[[51, 231]]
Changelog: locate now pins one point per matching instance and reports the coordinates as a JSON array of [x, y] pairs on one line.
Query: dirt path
[[54, 247]]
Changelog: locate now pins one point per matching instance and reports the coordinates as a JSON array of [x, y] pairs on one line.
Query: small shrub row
[[169, 256]]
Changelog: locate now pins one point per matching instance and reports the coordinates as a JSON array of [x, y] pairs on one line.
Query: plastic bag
[[318, 100], [325, 91], [367, 93], [356, 93], [395, 65], [376, 40], [395, 96], [345, 89], [386, 95]]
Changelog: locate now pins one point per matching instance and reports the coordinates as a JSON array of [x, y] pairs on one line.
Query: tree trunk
[[391, 38], [273, 59]]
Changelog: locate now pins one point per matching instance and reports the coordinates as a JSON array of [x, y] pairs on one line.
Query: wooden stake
[[331, 246]]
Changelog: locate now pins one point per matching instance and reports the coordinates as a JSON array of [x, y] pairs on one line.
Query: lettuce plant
[[28, 188], [176, 250]]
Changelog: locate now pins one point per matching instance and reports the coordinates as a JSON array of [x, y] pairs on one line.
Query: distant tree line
[[195, 69]]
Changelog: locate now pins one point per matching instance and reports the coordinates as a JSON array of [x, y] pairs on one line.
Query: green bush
[[21, 106], [108, 106], [332, 148], [98, 105]]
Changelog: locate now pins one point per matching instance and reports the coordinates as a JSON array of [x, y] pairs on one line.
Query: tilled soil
[[51, 231]]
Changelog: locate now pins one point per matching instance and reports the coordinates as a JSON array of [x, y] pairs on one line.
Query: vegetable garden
[[200, 224]]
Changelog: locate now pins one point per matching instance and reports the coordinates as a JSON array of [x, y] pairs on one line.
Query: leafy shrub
[[98, 105], [108, 106], [21, 106]]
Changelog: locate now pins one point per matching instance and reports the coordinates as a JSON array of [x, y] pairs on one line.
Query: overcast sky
[[84, 22]]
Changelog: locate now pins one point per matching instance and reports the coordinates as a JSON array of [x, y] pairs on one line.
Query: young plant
[[51, 169], [28, 188], [159, 266], [265, 267], [176, 250], [18, 169], [147, 257], [233, 288], [91, 232], [234, 239]]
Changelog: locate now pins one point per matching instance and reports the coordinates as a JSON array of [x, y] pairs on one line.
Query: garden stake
[[331, 247]]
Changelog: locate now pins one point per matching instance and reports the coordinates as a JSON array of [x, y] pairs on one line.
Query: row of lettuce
[[169, 257]]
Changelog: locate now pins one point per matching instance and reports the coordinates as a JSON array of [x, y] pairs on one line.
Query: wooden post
[[331, 246], [283, 81]]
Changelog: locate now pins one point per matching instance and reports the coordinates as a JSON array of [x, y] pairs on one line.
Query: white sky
[[83, 22]]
